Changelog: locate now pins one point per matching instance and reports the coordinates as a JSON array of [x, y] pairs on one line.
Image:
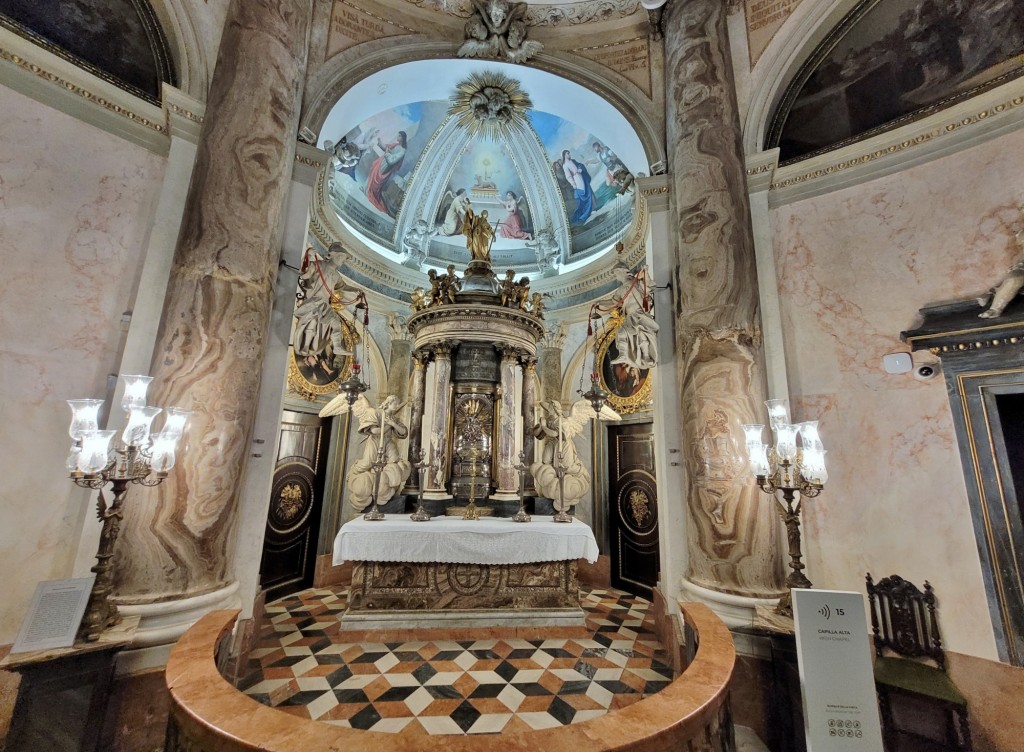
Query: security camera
[[926, 371]]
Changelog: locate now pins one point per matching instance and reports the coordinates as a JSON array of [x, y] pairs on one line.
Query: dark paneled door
[[293, 521], [633, 517]]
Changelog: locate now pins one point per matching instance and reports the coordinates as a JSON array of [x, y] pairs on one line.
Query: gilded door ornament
[[289, 503], [639, 506]]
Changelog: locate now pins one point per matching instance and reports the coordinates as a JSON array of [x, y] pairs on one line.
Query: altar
[[489, 572]]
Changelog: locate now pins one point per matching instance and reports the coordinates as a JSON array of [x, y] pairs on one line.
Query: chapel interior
[[482, 374]]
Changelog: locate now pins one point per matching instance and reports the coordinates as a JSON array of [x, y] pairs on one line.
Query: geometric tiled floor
[[303, 665]]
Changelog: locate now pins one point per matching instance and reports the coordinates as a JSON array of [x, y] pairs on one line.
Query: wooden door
[[293, 520], [633, 516]]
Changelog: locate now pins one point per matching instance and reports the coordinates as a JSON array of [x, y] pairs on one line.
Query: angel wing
[[442, 207], [580, 414], [524, 212], [362, 408]]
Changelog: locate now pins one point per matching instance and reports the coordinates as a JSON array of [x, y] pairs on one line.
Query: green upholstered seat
[[919, 678]]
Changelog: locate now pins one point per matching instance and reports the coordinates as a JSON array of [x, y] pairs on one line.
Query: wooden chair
[[921, 708]]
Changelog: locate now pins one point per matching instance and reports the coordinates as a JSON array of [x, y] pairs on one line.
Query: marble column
[[733, 546], [398, 368], [551, 372], [176, 541], [437, 451], [529, 417], [507, 477], [417, 396]]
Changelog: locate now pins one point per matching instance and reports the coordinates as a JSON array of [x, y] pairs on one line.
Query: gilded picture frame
[[630, 390], [314, 376]]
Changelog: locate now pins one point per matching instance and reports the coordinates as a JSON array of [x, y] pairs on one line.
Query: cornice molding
[[58, 83]]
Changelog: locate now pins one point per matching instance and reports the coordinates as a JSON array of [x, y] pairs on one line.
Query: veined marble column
[[437, 451], [529, 418], [398, 368], [176, 540], [733, 546], [417, 396], [508, 478]]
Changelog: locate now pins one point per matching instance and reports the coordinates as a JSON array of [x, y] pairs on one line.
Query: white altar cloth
[[453, 540]]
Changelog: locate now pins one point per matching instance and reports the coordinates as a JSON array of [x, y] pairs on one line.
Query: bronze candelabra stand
[[792, 469], [420, 515], [472, 512], [523, 468], [788, 479], [378, 468], [128, 466], [560, 514]]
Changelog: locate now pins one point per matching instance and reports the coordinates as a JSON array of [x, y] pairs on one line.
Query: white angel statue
[[380, 426], [559, 432]]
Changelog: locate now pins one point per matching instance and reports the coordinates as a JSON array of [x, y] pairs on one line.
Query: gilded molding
[[187, 114], [81, 92], [980, 344], [308, 161]]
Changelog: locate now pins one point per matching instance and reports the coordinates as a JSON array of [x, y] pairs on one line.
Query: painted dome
[[550, 162]]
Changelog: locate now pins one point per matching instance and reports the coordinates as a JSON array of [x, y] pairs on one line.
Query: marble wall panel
[[76, 205], [854, 267]]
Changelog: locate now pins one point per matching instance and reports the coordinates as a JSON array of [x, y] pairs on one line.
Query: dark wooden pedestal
[[63, 695]]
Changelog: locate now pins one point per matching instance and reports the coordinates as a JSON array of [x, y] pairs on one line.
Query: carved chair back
[[903, 619]]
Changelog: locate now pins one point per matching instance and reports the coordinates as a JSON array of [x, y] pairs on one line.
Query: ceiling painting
[[892, 61], [556, 193]]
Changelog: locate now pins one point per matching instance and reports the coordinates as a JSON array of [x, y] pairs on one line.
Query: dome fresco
[[557, 192]]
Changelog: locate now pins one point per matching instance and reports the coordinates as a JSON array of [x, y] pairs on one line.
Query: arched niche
[[886, 63], [121, 41]]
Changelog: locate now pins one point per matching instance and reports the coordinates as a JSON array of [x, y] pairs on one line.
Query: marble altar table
[[453, 572]]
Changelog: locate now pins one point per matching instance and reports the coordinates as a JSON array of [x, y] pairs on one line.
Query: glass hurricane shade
[[753, 433], [778, 411], [140, 422], [812, 466], [812, 453], [162, 453], [84, 416], [758, 459], [756, 450], [785, 441], [95, 453], [175, 419], [135, 388], [809, 438]]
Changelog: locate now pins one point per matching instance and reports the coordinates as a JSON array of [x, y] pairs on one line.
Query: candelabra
[[784, 467], [141, 457], [472, 513], [378, 468], [420, 515], [559, 459], [523, 468]]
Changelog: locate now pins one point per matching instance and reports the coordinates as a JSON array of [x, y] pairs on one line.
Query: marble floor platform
[[303, 664]]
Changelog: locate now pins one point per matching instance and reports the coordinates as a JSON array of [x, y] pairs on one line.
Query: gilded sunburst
[[490, 104]]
